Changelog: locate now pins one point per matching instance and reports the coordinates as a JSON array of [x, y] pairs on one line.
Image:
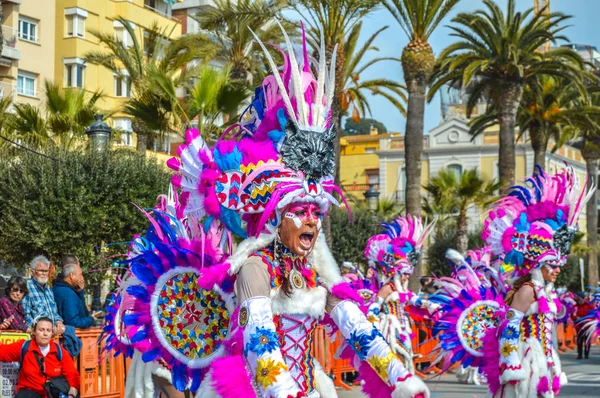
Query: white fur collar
[[309, 302], [246, 249]]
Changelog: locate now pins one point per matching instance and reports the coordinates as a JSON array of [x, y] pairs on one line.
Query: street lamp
[[98, 133], [372, 197]]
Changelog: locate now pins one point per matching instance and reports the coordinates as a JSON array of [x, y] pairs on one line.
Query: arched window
[[456, 169]]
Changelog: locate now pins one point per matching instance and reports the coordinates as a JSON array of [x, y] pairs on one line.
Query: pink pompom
[[556, 385], [543, 386]]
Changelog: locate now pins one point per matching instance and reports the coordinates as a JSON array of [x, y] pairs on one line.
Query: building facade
[[28, 49]]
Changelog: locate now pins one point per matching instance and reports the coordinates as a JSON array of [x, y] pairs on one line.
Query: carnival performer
[[586, 319], [510, 337], [396, 251], [239, 324]]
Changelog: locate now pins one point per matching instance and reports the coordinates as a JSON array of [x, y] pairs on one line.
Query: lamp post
[[372, 197], [98, 133]]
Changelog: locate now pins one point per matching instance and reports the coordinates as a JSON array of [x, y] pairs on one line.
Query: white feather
[[296, 80], [318, 114], [331, 84]]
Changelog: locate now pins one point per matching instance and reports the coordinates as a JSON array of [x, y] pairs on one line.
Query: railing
[[9, 42], [354, 187], [8, 90], [165, 11]]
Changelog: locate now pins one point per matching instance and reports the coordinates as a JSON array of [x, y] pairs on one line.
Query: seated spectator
[[39, 300], [69, 294], [43, 354], [12, 315]]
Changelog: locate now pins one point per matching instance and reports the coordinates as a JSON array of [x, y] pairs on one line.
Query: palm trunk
[[591, 163], [413, 145], [462, 234], [142, 136], [539, 144], [508, 104]]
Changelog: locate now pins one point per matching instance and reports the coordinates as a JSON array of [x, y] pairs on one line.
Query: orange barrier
[[570, 336]]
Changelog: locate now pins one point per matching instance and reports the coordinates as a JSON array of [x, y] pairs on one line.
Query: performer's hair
[[516, 286]]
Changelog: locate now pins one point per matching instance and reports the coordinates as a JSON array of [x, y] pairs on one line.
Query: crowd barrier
[[103, 375]]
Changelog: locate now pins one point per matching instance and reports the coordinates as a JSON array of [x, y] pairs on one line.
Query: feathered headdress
[[281, 153], [397, 249], [536, 222]]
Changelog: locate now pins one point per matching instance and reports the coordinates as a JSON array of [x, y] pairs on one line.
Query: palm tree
[[212, 97], [418, 19], [142, 64], [548, 105], [453, 194], [334, 20], [497, 56], [354, 91], [229, 24], [66, 114]]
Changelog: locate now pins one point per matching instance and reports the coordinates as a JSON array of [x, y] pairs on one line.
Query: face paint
[[300, 227]]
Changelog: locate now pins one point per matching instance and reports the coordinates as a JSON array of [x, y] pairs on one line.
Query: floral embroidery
[[262, 342], [507, 349], [380, 364], [361, 342], [510, 333], [267, 371]]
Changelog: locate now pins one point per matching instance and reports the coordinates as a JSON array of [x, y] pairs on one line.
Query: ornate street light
[[372, 197], [98, 134]]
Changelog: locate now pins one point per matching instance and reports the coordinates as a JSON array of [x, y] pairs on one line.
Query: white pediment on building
[[451, 132]]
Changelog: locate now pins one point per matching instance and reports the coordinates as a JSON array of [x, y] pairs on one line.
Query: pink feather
[[373, 386], [344, 291], [230, 377]]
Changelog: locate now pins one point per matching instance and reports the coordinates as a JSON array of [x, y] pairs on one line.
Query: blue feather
[[196, 376], [151, 355], [233, 221], [458, 356], [139, 336], [449, 345], [139, 292], [143, 273], [179, 377], [153, 260], [456, 302], [228, 161], [468, 362], [466, 295]]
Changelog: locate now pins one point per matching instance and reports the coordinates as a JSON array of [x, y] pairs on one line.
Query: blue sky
[[584, 30]]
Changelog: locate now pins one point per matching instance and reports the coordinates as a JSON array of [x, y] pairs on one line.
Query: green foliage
[[363, 126], [446, 239], [350, 238], [75, 204]]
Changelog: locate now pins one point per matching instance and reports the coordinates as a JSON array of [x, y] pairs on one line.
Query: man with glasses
[[39, 301]]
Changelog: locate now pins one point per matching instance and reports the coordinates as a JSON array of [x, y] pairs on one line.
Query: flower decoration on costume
[[380, 364], [507, 349], [536, 222], [361, 342], [510, 333], [267, 371], [262, 342], [397, 249]]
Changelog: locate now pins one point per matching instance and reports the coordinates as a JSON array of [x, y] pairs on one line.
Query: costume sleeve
[[69, 370], [423, 304], [510, 357], [261, 342], [370, 346], [11, 352]]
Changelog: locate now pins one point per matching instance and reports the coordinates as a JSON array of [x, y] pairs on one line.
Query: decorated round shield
[[190, 322], [474, 322]]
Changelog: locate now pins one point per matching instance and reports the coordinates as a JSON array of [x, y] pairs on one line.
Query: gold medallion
[[297, 279], [243, 316]]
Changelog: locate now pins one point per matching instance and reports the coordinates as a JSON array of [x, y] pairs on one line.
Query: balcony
[[9, 43], [160, 7], [8, 90], [355, 187]]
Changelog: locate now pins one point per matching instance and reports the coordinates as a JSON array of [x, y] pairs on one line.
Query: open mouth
[[306, 239]]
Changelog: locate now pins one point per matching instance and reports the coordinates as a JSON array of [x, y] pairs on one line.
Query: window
[[122, 86], [26, 83], [121, 34], [123, 124], [28, 29], [456, 169], [74, 73], [75, 18], [370, 150], [373, 178]]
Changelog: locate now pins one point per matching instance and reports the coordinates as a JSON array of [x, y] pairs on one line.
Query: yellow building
[[75, 18], [28, 49]]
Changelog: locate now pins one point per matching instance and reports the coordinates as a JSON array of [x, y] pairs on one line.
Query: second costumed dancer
[[510, 337], [240, 325]]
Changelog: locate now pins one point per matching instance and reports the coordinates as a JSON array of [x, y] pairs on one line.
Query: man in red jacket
[[31, 379]]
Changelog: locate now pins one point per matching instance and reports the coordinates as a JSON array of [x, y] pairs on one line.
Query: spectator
[[69, 294], [12, 315], [39, 300], [53, 360]]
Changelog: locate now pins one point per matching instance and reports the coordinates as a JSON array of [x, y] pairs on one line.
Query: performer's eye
[[300, 213]]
